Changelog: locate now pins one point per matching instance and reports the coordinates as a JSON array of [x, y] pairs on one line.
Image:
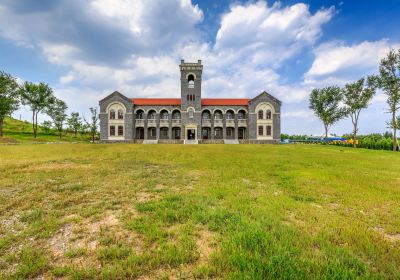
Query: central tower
[[191, 85]]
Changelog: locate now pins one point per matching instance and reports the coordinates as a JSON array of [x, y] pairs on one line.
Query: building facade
[[191, 118]]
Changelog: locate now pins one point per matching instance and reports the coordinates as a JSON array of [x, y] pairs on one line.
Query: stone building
[[191, 118]]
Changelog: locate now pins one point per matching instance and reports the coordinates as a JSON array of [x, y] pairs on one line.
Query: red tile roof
[[224, 101], [204, 101], [156, 101]]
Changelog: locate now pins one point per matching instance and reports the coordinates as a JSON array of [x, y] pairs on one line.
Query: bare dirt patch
[[142, 197], [206, 244], [393, 238]]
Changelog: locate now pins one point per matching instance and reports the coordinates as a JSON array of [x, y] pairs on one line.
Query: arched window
[[206, 115], [140, 114], [241, 115], [164, 115], [191, 81], [191, 113], [269, 115], [120, 114], [218, 115], [112, 114], [260, 114], [230, 115], [176, 115], [152, 115]]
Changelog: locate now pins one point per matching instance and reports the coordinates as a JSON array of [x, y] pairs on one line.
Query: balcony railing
[[164, 122], [151, 122], [218, 122], [139, 123], [230, 123], [176, 122], [242, 122], [206, 122]]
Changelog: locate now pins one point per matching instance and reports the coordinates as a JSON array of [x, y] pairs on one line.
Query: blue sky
[[87, 49]]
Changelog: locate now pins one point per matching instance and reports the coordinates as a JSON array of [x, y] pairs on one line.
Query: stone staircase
[[150, 141], [229, 141], [191, 142]]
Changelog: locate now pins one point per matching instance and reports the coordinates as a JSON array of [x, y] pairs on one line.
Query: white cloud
[[338, 63], [271, 34]]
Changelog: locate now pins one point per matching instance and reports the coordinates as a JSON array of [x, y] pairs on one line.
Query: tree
[[74, 122], [389, 81], [38, 97], [46, 125], [92, 124], [325, 104], [356, 96], [9, 98], [57, 112]]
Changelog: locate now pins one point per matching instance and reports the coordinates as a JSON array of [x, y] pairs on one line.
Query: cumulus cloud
[[270, 34], [338, 63]]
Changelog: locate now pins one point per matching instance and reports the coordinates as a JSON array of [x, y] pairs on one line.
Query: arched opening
[[164, 133], [176, 115], [139, 133], [218, 133], [230, 133], [241, 133], [241, 115], [112, 114], [151, 133], [191, 81], [206, 115], [230, 115], [218, 115], [260, 115], [269, 114], [120, 114], [164, 115], [191, 113], [176, 133], [206, 133], [151, 115], [140, 115]]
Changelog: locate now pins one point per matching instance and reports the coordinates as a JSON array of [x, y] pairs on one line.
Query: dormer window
[[191, 81]]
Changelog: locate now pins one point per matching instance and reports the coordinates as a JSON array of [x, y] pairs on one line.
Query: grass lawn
[[16, 131], [117, 211]]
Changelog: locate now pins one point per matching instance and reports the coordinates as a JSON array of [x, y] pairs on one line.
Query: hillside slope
[[16, 131]]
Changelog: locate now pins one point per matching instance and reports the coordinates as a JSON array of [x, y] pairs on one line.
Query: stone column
[[223, 126], [145, 127], [157, 126]]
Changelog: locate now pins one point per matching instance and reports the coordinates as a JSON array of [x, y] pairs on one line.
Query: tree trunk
[[394, 131], [1, 127], [355, 136], [36, 124], [326, 132], [33, 124], [76, 131]]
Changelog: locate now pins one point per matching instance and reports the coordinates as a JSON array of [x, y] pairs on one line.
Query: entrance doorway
[[191, 134]]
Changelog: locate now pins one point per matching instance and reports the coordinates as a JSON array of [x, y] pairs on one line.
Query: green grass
[[22, 132], [89, 211]]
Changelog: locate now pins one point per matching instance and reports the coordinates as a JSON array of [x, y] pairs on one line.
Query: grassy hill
[[22, 131], [96, 211]]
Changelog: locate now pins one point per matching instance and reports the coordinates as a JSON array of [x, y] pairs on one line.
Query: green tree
[[389, 81], [46, 125], [57, 112], [9, 97], [74, 122], [325, 103], [38, 97], [356, 96], [93, 123]]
